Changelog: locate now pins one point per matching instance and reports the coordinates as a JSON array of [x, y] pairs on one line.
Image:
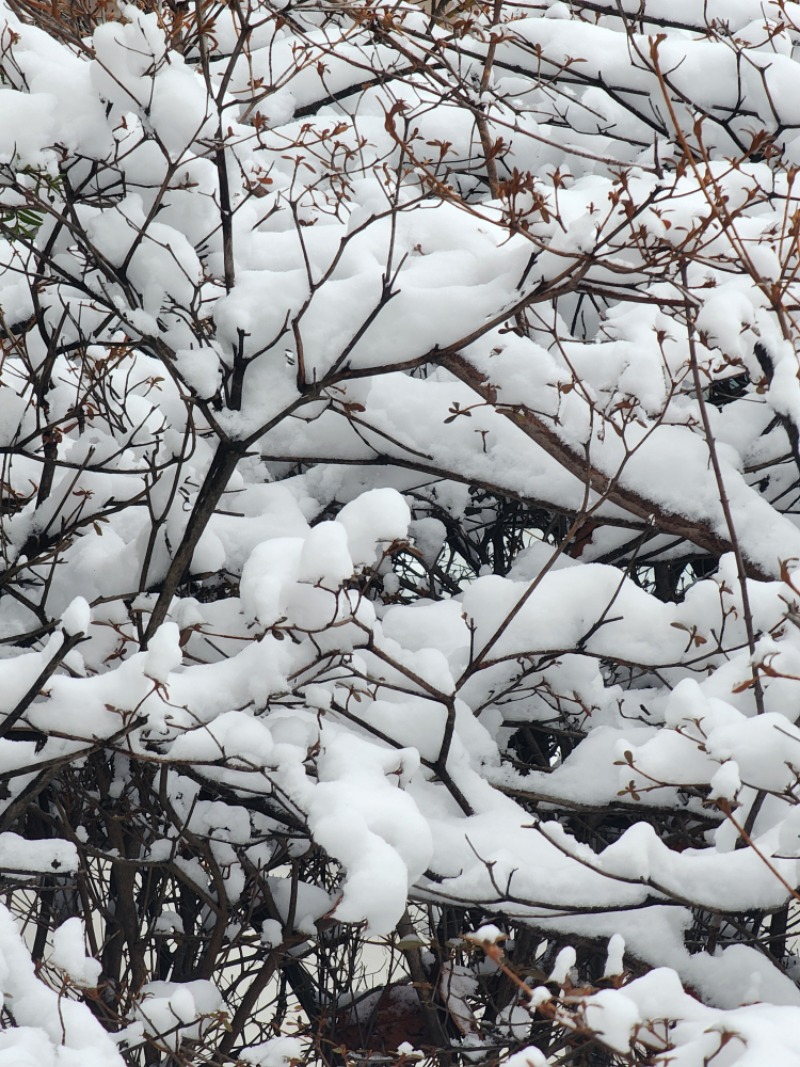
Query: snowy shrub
[[400, 590]]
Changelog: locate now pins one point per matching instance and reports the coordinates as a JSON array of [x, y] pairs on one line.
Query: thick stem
[[222, 467], [572, 459], [70, 641]]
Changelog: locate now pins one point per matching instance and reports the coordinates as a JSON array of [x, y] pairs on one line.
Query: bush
[[399, 607]]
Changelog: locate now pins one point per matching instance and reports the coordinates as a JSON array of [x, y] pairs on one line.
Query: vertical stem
[[225, 213], [481, 121], [758, 689]]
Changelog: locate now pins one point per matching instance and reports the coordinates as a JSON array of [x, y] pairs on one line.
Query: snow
[[373, 522], [614, 962], [49, 1029], [174, 1011], [163, 653], [384, 842], [613, 1017], [232, 734], [69, 954], [26, 126], [77, 618], [486, 934], [18, 854], [325, 559], [564, 963], [277, 1052]]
